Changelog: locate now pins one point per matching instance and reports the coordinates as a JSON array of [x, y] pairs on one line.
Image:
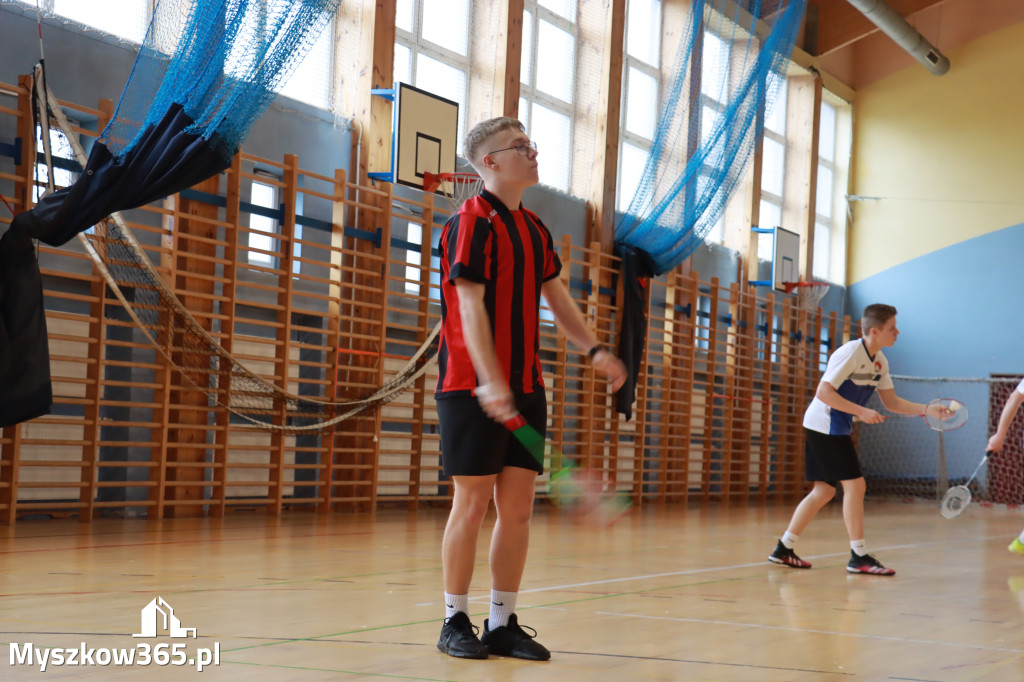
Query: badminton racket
[[958, 497], [579, 490], [945, 414]]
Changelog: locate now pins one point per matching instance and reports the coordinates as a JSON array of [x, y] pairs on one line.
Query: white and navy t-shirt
[[1020, 387], [855, 375]]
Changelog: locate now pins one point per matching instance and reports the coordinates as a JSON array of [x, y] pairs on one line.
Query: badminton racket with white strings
[[945, 414], [958, 497]]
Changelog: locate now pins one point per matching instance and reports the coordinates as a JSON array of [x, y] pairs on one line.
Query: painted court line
[[760, 626], [714, 569]]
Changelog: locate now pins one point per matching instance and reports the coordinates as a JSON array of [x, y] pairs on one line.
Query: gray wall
[[83, 66]]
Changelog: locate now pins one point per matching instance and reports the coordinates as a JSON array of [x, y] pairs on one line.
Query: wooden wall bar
[[326, 290]]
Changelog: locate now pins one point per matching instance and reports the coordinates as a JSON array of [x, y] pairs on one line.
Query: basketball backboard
[[785, 258], [424, 135]]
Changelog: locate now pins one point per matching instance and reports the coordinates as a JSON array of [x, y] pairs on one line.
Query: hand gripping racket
[[945, 414], [958, 497], [579, 490]]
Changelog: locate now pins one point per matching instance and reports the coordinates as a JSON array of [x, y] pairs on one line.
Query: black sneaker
[[458, 638], [511, 640], [784, 555], [867, 564]]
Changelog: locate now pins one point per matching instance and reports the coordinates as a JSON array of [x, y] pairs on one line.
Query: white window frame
[[47, 7], [821, 219], [529, 94], [625, 135], [717, 233], [702, 331], [323, 87], [60, 148], [256, 232], [417, 44], [765, 245], [414, 258]]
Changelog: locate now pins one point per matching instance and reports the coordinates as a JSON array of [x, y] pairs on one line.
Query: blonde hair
[[875, 316], [482, 132]]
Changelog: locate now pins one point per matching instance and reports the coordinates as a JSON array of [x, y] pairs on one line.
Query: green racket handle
[[562, 485], [527, 435]]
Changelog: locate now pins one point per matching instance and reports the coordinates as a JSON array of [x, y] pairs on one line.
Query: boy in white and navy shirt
[[855, 371], [856, 374]]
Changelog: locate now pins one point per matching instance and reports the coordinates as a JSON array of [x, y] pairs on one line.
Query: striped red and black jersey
[[512, 254]]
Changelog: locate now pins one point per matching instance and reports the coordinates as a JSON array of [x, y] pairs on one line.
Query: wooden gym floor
[[667, 594]]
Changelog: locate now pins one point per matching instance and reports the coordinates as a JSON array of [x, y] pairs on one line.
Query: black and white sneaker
[[458, 638], [512, 640], [867, 564], [784, 555]]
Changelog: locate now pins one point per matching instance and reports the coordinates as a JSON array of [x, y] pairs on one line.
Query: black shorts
[[473, 444], [830, 458]]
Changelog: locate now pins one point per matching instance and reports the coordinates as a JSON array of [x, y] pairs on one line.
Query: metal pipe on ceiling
[[906, 36]]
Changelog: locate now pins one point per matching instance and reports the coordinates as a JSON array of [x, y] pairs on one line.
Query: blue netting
[[707, 135], [220, 60]]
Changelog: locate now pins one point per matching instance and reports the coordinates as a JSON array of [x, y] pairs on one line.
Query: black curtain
[[637, 270], [165, 159], [25, 391]]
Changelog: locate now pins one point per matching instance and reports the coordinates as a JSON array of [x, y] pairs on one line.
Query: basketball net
[[456, 187], [808, 294]]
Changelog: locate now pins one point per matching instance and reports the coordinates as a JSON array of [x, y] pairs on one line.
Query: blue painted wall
[[959, 317], [959, 307]]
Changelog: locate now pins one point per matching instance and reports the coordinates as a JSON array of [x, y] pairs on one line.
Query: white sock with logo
[[858, 547], [503, 605], [789, 540], [453, 603]]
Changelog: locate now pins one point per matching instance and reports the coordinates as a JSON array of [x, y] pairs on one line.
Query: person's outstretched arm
[[571, 321], [899, 405], [995, 443]]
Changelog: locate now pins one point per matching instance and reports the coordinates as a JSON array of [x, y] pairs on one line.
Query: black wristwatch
[[595, 350]]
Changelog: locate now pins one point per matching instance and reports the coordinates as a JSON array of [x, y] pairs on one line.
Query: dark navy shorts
[[830, 458]]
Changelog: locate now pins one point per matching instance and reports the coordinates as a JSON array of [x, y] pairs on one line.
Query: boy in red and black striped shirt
[[497, 260], [512, 254]]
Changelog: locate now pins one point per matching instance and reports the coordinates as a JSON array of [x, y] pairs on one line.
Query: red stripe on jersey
[[501, 319], [530, 294], [456, 372], [514, 253]]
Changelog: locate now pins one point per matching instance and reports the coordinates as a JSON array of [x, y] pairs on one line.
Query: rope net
[[220, 60], [203, 362], [902, 458], [219, 63], [730, 67]]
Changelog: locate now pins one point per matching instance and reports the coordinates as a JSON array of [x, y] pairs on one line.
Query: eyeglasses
[[523, 149]]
